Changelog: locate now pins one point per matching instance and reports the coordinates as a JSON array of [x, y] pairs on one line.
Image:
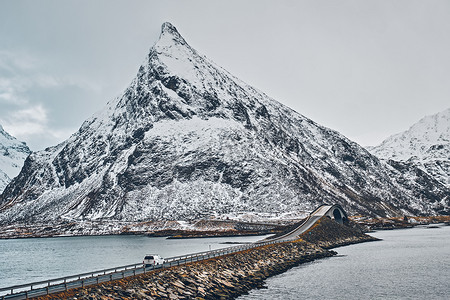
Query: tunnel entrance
[[338, 216]]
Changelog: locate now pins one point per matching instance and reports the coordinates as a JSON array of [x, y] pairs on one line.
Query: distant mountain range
[[189, 140], [426, 144], [12, 156]]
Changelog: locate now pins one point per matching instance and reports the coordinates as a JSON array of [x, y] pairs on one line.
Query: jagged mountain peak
[[12, 155], [5, 135], [177, 82], [168, 27], [168, 30], [429, 134], [425, 144], [170, 41], [187, 140]]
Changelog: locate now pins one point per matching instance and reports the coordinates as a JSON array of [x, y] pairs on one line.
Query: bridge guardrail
[[66, 279], [282, 237], [82, 279], [171, 261]]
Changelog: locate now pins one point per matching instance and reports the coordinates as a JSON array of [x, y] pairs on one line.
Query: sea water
[[36, 259], [405, 264]]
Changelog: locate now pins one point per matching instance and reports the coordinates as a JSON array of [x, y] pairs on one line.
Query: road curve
[[26, 291], [307, 224]]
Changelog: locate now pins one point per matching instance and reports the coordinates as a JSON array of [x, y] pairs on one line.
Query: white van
[[153, 260]]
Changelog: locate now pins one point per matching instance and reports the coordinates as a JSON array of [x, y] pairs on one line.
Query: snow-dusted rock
[[426, 144], [12, 156], [187, 140]]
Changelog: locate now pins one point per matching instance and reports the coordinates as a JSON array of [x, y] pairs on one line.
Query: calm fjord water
[[35, 259], [406, 264]]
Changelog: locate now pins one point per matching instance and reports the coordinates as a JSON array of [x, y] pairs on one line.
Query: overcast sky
[[367, 69]]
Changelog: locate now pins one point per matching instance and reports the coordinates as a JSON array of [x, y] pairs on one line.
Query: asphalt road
[[310, 221], [179, 260], [59, 287]]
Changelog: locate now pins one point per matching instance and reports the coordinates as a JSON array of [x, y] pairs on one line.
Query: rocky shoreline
[[228, 276], [198, 228], [369, 224], [173, 229]]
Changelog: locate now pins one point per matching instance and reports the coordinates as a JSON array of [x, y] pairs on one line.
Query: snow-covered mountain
[[12, 156], [187, 140], [426, 144]]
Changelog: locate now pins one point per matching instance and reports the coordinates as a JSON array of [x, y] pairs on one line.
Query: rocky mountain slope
[[426, 144], [12, 156], [188, 140]]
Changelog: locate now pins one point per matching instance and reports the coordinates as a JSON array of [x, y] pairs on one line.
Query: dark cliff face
[[187, 139]]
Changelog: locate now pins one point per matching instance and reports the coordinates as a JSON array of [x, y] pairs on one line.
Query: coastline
[[369, 224], [228, 276], [172, 229], [200, 229]]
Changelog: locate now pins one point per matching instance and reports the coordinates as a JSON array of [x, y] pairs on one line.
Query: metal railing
[[285, 237], [68, 280], [24, 291]]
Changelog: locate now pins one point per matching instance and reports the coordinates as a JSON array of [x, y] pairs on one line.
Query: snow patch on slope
[[12, 156], [187, 140], [426, 144]]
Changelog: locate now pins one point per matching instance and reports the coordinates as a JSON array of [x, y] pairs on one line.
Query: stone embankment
[[228, 276]]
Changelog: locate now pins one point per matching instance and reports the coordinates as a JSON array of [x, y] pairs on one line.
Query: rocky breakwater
[[328, 234], [224, 277]]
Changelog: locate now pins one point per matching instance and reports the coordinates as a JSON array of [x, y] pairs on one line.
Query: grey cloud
[[365, 68]]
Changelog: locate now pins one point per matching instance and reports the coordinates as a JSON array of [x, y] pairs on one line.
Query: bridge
[[35, 289], [334, 212]]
